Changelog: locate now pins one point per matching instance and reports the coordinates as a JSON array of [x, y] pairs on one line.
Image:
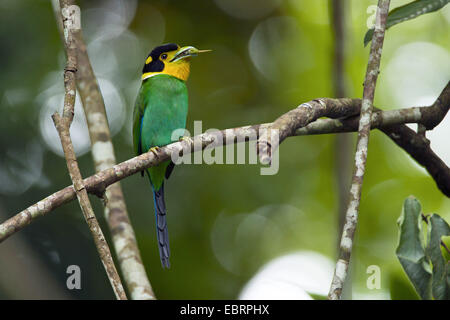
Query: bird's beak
[[185, 52]]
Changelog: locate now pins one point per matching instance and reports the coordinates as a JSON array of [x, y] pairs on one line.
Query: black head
[[155, 64]]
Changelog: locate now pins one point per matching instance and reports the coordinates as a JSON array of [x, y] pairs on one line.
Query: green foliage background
[[299, 204]]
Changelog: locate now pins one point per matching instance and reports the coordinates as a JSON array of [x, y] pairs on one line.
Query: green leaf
[[438, 228], [407, 12], [411, 249]]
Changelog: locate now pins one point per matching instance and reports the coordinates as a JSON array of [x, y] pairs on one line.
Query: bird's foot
[[155, 150], [185, 138]]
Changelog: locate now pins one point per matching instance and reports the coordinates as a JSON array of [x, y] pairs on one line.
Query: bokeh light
[[275, 47], [415, 76], [291, 277], [52, 100]]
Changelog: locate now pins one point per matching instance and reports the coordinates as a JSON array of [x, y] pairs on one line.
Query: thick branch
[[351, 218], [299, 117], [97, 183], [63, 125], [391, 122], [102, 149]]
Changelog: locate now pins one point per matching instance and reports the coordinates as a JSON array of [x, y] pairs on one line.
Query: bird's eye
[[164, 56]]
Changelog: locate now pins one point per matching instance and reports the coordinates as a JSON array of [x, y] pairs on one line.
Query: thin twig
[[63, 125], [351, 219], [88, 213], [97, 183], [115, 211]]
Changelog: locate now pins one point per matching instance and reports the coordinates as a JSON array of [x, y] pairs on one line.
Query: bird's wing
[[138, 116], [169, 169]]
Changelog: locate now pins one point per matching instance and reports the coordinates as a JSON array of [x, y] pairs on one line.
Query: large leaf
[[407, 12], [437, 229], [411, 249]]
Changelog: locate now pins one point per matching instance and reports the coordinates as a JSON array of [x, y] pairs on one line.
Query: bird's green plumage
[[161, 107]]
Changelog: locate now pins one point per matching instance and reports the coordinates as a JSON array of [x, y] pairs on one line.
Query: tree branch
[[300, 117], [391, 122], [304, 120], [351, 218], [71, 17], [97, 183], [102, 149], [418, 147]]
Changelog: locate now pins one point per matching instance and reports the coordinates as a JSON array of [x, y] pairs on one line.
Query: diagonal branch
[[391, 123], [63, 125], [429, 117], [419, 148], [351, 218], [300, 117], [97, 183], [115, 210]]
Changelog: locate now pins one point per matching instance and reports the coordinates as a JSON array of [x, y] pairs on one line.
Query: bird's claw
[[186, 139], [155, 150]]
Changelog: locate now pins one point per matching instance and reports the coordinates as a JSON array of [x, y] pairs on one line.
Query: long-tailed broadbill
[[161, 107]]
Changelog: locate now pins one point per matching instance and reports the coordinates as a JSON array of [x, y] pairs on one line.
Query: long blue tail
[[162, 233]]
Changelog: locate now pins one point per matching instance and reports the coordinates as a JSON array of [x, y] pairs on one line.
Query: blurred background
[[233, 232]]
